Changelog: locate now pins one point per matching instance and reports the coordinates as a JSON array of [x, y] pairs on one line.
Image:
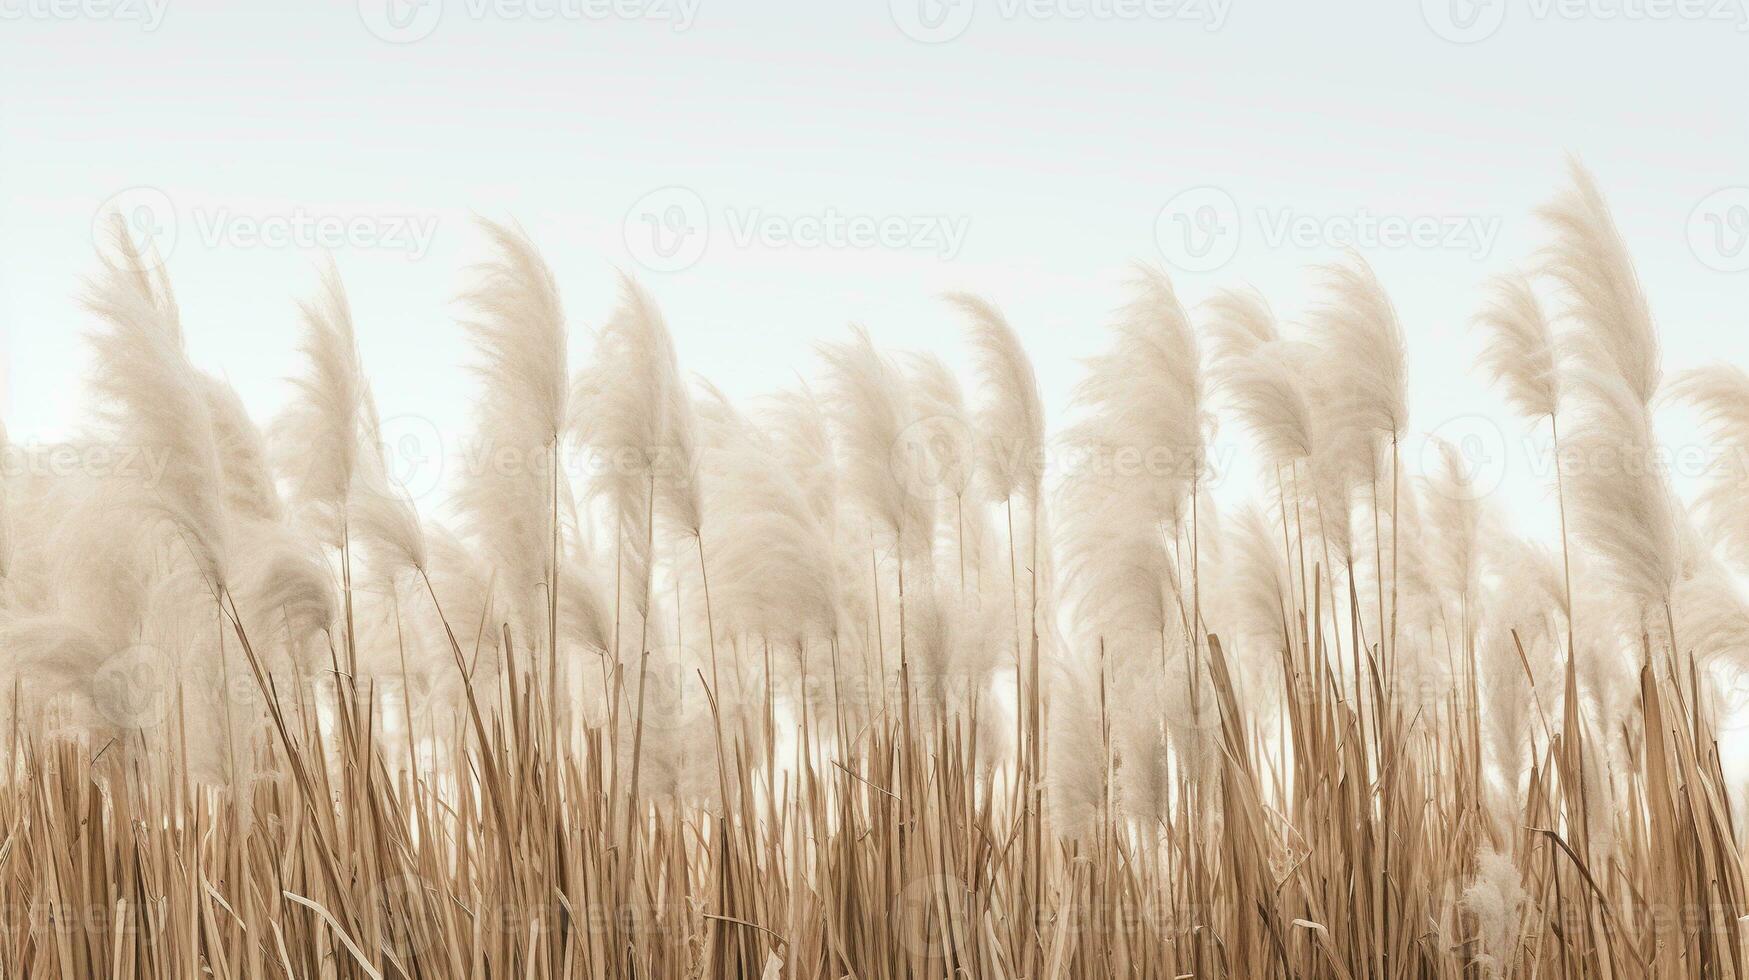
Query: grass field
[[876, 678]]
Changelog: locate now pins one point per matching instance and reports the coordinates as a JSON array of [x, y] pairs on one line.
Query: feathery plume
[[945, 435], [1365, 366], [1519, 353], [1496, 898], [518, 327], [1454, 516], [152, 398], [1011, 421], [386, 524], [250, 493], [511, 502], [1620, 507], [1258, 584], [625, 402], [1604, 298], [318, 436], [1721, 394], [1144, 394], [870, 407], [1266, 390], [769, 557], [1240, 322]]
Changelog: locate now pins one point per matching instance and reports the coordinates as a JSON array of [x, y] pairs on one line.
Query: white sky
[[1053, 133]]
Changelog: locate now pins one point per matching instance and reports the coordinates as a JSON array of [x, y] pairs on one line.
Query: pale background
[[1067, 138]]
